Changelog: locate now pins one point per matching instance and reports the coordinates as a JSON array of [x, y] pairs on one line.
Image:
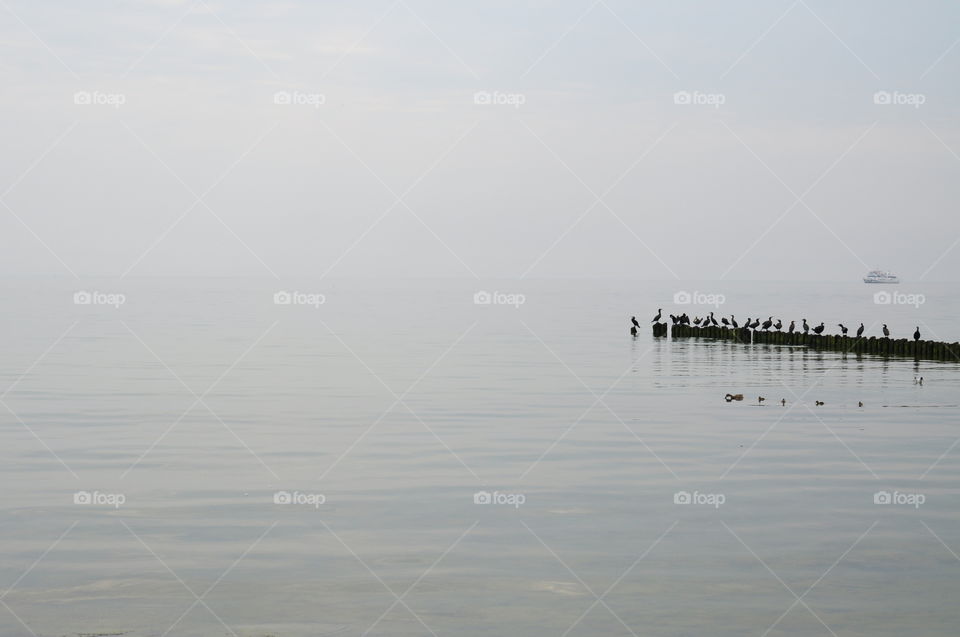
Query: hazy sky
[[185, 164]]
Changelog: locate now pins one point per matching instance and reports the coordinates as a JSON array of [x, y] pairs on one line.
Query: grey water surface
[[314, 468]]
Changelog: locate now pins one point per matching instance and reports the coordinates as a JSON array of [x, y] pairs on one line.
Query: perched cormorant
[[842, 328], [657, 317], [634, 320], [767, 324], [713, 321], [886, 332], [818, 329], [806, 328], [793, 326], [778, 325], [725, 322], [696, 321], [860, 331], [733, 322], [675, 319], [916, 335], [755, 324]]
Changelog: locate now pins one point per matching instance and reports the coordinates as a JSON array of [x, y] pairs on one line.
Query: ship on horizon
[[880, 276]]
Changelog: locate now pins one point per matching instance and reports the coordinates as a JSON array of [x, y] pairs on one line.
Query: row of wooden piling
[[883, 346]]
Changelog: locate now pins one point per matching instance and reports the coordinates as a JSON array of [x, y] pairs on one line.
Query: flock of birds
[[710, 320]]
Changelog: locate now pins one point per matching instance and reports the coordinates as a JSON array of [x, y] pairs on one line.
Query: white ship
[[880, 276]]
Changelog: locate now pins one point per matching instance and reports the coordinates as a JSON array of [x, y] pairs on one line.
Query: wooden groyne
[[927, 350]]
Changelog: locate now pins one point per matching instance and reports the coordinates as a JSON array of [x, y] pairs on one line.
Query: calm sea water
[[191, 411]]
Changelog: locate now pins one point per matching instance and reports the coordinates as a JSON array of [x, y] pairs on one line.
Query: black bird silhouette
[[696, 320], [767, 324], [746, 325], [886, 332], [725, 322], [860, 331], [733, 322], [684, 319], [792, 327], [634, 320], [778, 325], [916, 334], [675, 319], [819, 329], [806, 328], [755, 324], [713, 320], [657, 317], [842, 328]]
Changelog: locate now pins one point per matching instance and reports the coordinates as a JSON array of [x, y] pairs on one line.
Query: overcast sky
[[781, 166]]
